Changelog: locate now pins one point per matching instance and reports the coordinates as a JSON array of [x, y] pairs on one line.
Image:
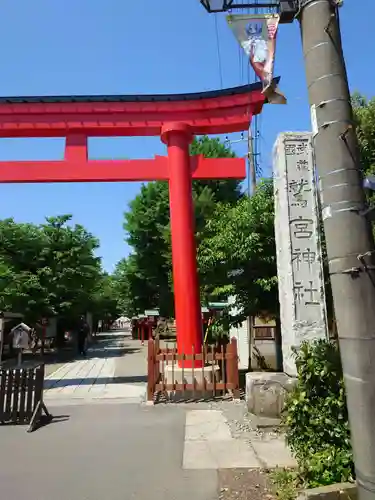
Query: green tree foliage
[[47, 269], [147, 226], [105, 303], [238, 255], [364, 113], [316, 417], [130, 292], [149, 268]]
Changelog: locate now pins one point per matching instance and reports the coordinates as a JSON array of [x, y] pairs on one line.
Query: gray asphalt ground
[[106, 451]]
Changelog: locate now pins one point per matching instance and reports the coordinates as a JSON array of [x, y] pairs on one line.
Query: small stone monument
[[299, 259]]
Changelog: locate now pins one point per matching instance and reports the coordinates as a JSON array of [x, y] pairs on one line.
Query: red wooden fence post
[[150, 370], [156, 361], [142, 333], [228, 364]]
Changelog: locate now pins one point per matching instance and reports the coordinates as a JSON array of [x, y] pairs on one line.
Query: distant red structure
[[176, 119]]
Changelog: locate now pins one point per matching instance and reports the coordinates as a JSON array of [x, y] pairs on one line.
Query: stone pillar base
[[265, 392], [178, 376], [175, 374]]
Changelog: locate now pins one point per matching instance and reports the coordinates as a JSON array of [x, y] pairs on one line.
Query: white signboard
[[21, 337]]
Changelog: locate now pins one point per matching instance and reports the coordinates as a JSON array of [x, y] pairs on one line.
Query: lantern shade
[[224, 5], [216, 5], [288, 9]]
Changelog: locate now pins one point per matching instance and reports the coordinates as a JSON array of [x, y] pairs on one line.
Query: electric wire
[[218, 51], [240, 64]]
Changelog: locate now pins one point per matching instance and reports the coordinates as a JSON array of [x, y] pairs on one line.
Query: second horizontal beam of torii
[[76, 169]]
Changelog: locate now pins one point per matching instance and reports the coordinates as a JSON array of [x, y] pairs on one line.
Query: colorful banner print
[[257, 36]]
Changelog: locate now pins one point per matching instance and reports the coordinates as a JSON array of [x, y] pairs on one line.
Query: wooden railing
[[21, 394], [212, 372]]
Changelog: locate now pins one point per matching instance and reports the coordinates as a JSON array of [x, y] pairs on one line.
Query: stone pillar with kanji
[[299, 258]]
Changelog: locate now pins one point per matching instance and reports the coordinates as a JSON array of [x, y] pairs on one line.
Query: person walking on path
[[83, 333]]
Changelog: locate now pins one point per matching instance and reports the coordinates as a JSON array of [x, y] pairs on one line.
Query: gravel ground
[[238, 420], [240, 423], [243, 484]]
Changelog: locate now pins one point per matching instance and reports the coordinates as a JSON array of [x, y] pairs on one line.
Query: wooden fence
[[212, 372], [21, 394]]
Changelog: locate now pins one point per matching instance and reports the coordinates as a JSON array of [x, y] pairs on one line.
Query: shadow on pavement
[[43, 422], [132, 379], [50, 420], [66, 382], [103, 346], [108, 353]]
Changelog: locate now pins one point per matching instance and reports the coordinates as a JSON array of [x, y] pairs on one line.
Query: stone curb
[[338, 491]]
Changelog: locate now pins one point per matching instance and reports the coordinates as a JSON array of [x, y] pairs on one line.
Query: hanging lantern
[[225, 5], [287, 9]]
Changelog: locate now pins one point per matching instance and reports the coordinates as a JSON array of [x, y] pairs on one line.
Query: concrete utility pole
[[350, 243]]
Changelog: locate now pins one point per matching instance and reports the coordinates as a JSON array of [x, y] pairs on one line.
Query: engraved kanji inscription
[[298, 292], [302, 165], [302, 228], [311, 295], [301, 148], [290, 149], [307, 256], [297, 188], [308, 295]]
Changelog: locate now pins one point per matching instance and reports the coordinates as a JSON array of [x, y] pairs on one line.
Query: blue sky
[[51, 47]]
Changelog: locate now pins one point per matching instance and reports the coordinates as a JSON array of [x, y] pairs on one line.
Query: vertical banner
[[257, 36]]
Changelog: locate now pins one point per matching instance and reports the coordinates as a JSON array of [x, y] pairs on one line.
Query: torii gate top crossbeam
[[213, 112]]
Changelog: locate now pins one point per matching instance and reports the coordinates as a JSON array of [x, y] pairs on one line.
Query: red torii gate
[[176, 119]]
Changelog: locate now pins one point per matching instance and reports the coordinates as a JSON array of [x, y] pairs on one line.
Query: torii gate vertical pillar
[[178, 136]]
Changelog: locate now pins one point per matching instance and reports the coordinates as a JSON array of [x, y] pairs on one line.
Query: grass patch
[[287, 483]]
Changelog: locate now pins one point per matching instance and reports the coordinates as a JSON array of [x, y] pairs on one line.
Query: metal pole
[[252, 180], [2, 324], [350, 245]]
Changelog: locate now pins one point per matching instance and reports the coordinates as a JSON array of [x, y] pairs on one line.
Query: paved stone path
[[98, 447], [115, 368], [210, 444], [115, 372]]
